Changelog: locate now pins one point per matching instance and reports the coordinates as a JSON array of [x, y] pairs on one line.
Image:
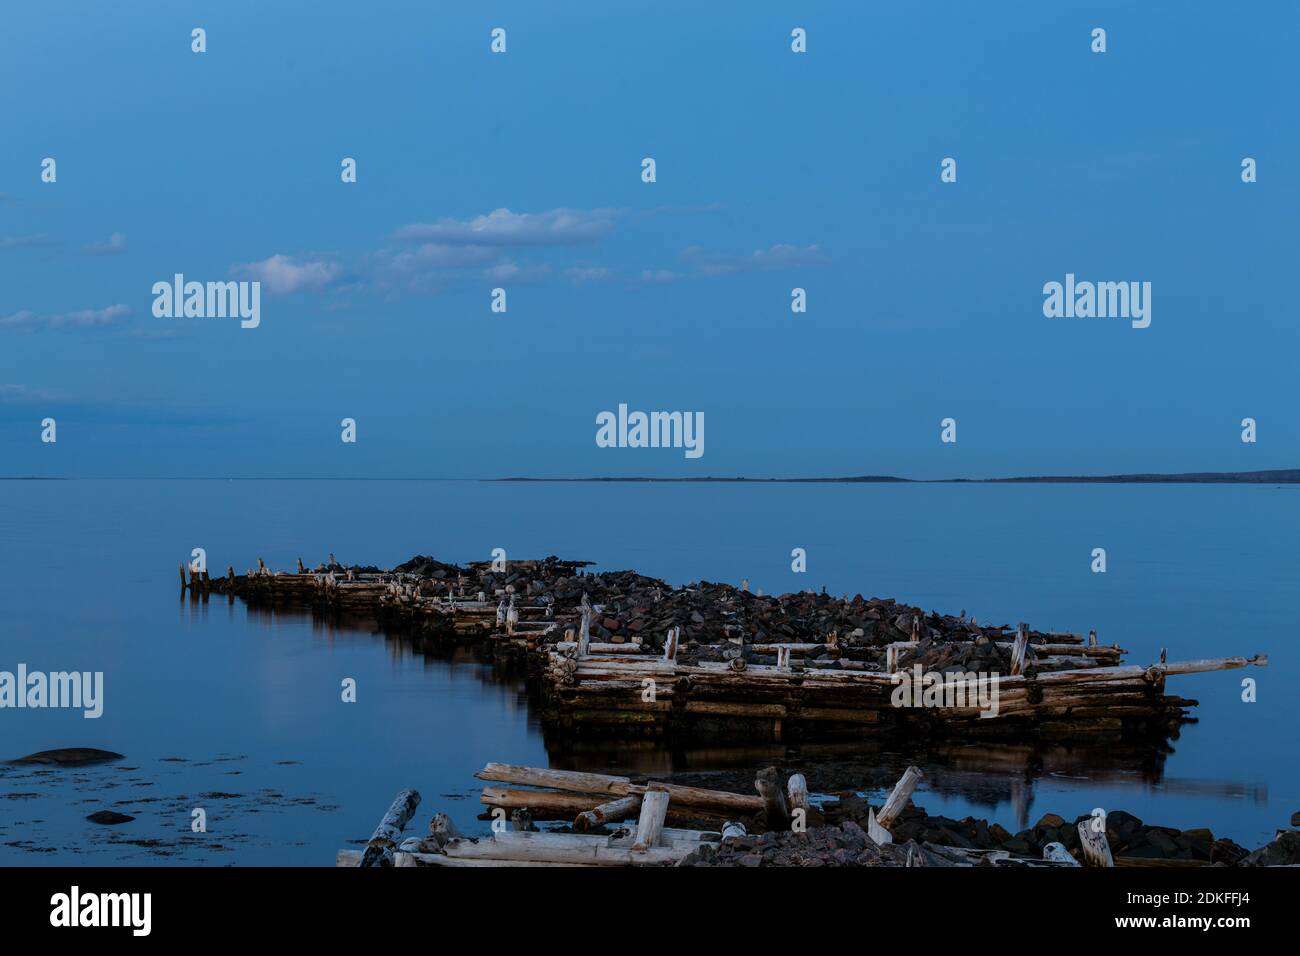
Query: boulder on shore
[[70, 757]]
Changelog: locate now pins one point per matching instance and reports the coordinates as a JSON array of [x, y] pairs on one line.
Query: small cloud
[[775, 258], [584, 274], [25, 242], [22, 395], [508, 271], [109, 247], [660, 276], [282, 275], [83, 319], [501, 227]]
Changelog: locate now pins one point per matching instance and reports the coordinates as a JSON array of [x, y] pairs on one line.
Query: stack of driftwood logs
[[621, 654], [597, 803]]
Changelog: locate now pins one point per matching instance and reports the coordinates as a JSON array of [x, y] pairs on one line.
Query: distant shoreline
[[1275, 477], [1284, 476]]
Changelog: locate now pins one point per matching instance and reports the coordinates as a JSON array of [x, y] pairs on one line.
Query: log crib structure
[[623, 655]]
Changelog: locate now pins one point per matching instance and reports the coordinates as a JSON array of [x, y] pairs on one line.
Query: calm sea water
[[238, 712]]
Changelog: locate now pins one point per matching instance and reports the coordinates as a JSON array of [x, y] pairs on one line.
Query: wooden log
[[1093, 844], [899, 798], [604, 786], [569, 780], [536, 847], [650, 825], [610, 812], [561, 805], [388, 832], [670, 645], [718, 801], [774, 807]]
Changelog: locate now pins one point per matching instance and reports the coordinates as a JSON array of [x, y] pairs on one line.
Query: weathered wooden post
[[670, 645], [584, 627], [1092, 638], [1018, 649], [783, 657], [1093, 843], [650, 825], [899, 798], [796, 789], [301, 569], [182, 577]]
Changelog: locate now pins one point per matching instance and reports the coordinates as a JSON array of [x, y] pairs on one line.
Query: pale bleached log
[[612, 811], [1057, 853], [878, 834], [602, 785], [650, 825], [899, 798], [543, 850], [796, 789], [1093, 843], [390, 828]]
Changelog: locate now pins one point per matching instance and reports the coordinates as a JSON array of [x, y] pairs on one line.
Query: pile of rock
[[632, 608]]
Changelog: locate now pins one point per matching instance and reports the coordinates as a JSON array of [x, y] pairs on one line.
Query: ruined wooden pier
[[619, 654]]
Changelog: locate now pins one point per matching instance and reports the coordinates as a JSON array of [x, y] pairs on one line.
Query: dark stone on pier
[[1284, 850]]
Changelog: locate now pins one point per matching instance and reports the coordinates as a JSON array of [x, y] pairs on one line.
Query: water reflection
[[998, 779]]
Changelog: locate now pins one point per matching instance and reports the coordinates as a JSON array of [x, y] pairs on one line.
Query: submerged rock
[[109, 817], [70, 757]]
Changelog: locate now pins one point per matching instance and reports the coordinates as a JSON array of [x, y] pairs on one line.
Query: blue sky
[[522, 170]]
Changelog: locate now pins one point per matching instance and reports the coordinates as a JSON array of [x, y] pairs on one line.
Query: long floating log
[[590, 783]]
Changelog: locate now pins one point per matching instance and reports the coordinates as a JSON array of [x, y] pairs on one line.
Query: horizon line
[[1264, 476]]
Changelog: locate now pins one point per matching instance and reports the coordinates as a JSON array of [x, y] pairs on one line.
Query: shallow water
[[238, 712]]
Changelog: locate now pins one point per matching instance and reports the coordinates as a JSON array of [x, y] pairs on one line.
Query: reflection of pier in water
[[984, 774]]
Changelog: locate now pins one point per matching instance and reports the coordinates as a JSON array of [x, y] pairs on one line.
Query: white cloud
[[501, 227], [774, 258], [83, 319], [285, 274], [581, 274], [25, 242], [659, 276], [111, 246]]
